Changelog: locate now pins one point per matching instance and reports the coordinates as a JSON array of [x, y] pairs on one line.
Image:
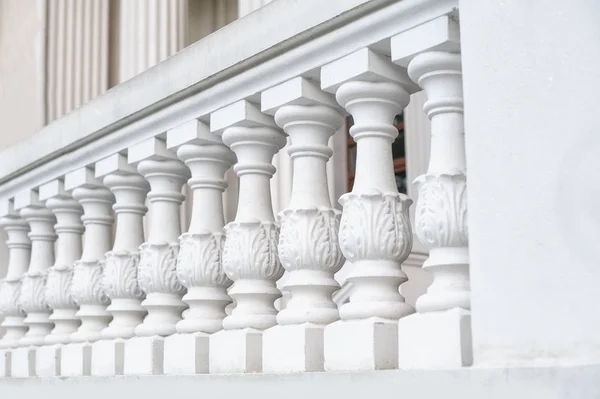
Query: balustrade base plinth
[[293, 349], [144, 356], [361, 345], [187, 354], [236, 351], [47, 360], [76, 360], [5, 360], [435, 340], [108, 357], [23, 362]]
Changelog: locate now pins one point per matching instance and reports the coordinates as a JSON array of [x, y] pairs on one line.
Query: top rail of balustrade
[[282, 40]]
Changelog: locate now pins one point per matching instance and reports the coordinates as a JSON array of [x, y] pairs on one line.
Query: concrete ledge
[[580, 382]]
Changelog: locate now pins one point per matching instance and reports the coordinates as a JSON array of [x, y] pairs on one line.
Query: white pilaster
[[19, 246], [32, 299], [69, 229], [250, 253], [439, 335], [375, 232], [157, 273], [308, 242], [149, 32]]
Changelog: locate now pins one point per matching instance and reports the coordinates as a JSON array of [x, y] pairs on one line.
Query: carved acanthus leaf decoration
[[199, 260], [33, 290], [58, 287], [121, 275], [157, 271], [10, 292], [87, 283]]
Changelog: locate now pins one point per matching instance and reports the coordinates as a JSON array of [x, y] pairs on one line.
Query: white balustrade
[[439, 335], [157, 275], [375, 232], [96, 201], [308, 242], [199, 264], [250, 254]]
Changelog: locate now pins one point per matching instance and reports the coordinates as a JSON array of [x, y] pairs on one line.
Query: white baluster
[[41, 222], [199, 264], [439, 335], [250, 253], [86, 289], [375, 232], [19, 246], [121, 265], [158, 255], [308, 241], [69, 229]]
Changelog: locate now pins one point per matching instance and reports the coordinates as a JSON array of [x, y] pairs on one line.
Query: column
[[77, 53], [375, 232], [199, 264], [96, 201], [250, 253], [308, 242], [19, 247], [150, 31], [32, 299], [69, 229], [157, 273], [439, 335]]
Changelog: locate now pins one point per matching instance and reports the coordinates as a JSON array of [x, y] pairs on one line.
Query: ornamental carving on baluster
[[33, 288], [10, 292], [58, 287], [441, 214], [250, 251], [157, 270], [205, 249], [121, 275], [375, 225], [317, 230], [87, 283]]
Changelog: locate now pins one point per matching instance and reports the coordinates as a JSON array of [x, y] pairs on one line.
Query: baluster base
[[292, 349], [186, 354], [47, 360], [23, 362], [108, 357], [144, 356], [358, 345], [435, 340], [5, 360], [236, 351], [76, 359]]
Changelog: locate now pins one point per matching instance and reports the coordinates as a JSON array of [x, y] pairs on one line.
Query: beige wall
[[21, 70]]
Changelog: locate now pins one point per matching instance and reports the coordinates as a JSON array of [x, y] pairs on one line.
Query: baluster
[[69, 229], [86, 288], [250, 252], [19, 247], [121, 265], [439, 335], [308, 242], [199, 265], [375, 232], [157, 270]]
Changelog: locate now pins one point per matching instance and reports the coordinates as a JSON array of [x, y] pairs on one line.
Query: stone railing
[[155, 300]]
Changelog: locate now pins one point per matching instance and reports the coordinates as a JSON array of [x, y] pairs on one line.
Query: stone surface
[[370, 344], [23, 362], [302, 345], [186, 354], [108, 357], [435, 340], [76, 360], [47, 360], [236, 351], [5, 362], [144, 355]]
